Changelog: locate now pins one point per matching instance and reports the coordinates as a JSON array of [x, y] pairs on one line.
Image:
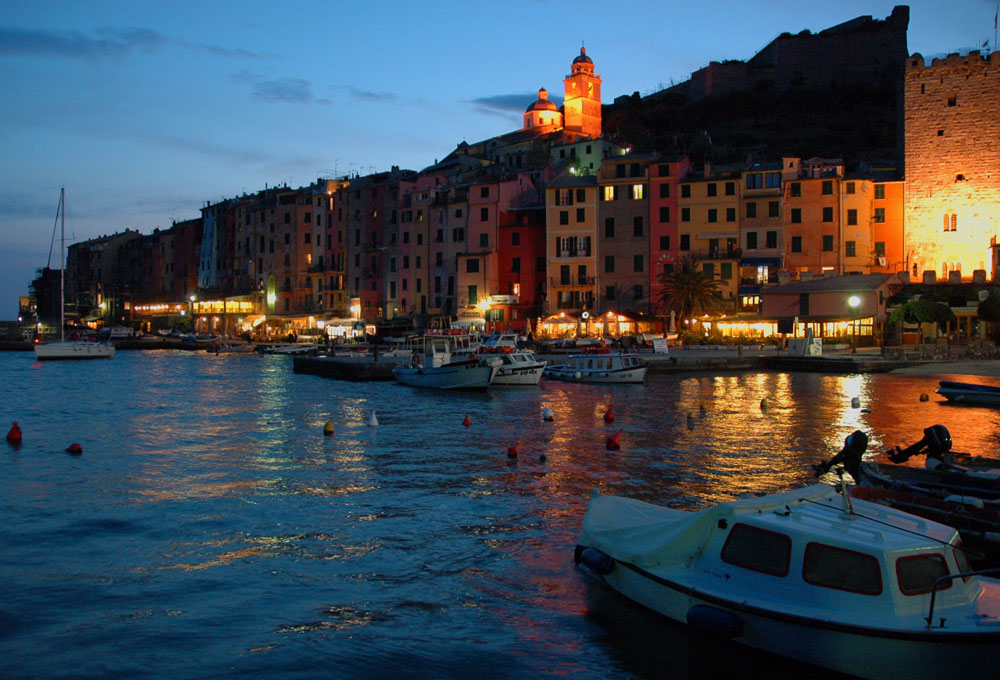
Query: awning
[[718, 234], [760, 262], [477, 322], [254, 320]]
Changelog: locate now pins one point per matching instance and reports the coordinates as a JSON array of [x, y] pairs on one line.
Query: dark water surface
[[211, 530]]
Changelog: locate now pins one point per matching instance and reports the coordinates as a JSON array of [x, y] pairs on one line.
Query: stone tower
[[952, 146], [582, 104]]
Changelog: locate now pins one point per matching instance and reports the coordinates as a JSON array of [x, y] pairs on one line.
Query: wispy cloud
[[288, 90], [368, 95], [103, 43], [230, 53], [508, 103]]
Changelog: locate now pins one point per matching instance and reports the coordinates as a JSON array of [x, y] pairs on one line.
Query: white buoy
[[578, 375], [855, 403], [373, 421], [547, 415]]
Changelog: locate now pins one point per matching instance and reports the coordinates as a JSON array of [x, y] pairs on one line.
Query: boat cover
[[650, 535]]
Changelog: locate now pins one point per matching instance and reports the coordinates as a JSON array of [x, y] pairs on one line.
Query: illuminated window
[[950, 221], [609, 193], [637, 192]]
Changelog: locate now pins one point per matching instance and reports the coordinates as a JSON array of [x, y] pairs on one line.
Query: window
[[795, 189], [608, 194], [581, 214], [609, 292], [767, 552], [711, 189], [713, 215], [796, 244], [664, 243], [849, 248], [484, 240], [484, 192], [709, 269], [637, 294], [827, 187], [664, 214], [638, 192], [827, 243], [950, 221], [438, 258], [637, 227], [406, 261], [879, 248], [515, 238], [730, 188], [620, 170], [773, 180], [664, 190], [472, 265], [609, 264], [879, 191], [685, 191], [515, 265], [726, 271], [751, 240], [773, 209], [849, 187], [751, 210], [730, 214], [828, 214], [685, 242], [609, 227], [880, 215], [917, 573], [852, 216], [685, 214], [753, 180], [564, 217], [581, 195], [473, 295], [637, 263], [840, 569], [952, 100], [771, 239], [796, 215], [458, 235]]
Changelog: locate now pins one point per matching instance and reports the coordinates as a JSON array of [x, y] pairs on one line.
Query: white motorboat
[[434, 366], [848, 585], [69, 349], [599, 367], [516, 366]]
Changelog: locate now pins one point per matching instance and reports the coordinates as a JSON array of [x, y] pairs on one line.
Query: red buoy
[[512, 450], [74, 449], [609, 415], [467, 422], [614, 441], [14, 436]]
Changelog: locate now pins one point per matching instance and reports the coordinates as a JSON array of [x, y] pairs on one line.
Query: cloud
[[229, 53], [289, 90], [107, 43], [368, 95], [508, 103]]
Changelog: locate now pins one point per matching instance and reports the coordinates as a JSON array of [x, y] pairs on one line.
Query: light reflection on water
[[209, 507]]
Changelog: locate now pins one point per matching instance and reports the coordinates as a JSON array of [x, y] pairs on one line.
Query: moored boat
[[809, 574], [969, 393], [516, 366], [434, 366], [600, 366]]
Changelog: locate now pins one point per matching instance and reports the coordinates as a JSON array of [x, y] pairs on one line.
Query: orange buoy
[[467, 422], [614, 441], [14, 436], [609, 415], [74, 449], [512, 450]]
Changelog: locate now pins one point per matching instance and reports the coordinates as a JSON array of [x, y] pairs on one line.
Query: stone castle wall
[[952, 163]]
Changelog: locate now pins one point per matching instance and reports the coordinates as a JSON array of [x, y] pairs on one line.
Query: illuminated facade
[[709, 227], [582, 103], [952, 142], [664, 178]]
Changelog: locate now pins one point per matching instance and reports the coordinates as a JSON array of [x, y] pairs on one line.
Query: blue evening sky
[[146, 110]]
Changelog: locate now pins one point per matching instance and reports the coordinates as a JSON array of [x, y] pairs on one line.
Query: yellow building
[[571, 232], [709, 228]]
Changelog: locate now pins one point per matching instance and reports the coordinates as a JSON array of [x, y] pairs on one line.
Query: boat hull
[[519, 374], [856, 650], [969, 393], [447, 377], [70, 350], [620, 376]]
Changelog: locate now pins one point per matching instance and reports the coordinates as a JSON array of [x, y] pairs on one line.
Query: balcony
[[733, 254], [572, 281]]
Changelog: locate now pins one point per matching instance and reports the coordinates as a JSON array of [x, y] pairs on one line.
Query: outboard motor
[[855, 445], [936, 442]]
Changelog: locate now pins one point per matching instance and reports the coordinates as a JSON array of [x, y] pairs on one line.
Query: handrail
[[950, 577]]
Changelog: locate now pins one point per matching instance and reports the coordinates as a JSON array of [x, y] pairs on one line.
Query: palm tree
[[688, 291]]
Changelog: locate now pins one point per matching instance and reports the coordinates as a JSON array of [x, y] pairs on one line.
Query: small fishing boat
[[516, 366], [809, 574], [599, 366], [969, 393], [230, 348], [434, 366]]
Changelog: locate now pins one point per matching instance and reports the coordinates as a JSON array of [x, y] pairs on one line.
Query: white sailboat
[[69, 349]]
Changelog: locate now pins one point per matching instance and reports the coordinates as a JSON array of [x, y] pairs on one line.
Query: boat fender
[[855, 403], [74, 449], [596, 561], [512, 450], [373, 421], [717, 623], [328, 428], [609, 415], [614, 442], [14, 435]]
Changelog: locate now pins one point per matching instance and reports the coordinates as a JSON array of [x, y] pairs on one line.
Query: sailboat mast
[[62, 265]]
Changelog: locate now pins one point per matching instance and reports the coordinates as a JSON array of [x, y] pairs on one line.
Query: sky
[[146, 111]]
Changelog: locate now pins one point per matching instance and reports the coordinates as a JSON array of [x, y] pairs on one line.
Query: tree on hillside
[[687, 292]]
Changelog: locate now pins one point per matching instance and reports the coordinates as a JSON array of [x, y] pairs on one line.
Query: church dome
[[583, 62], [543, 103]]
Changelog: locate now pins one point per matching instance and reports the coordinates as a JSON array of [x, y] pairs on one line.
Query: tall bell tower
[[582, 103]]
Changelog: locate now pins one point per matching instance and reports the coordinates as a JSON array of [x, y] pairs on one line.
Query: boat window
[[830, 567], [961, 559], [607, 364], [758, 550], [590, 363], [917, 573]]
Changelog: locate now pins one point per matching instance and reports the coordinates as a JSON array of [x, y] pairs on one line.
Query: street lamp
[[854, 302]]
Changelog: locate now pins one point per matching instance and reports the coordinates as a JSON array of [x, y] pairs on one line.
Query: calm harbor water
[[210, 529]]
